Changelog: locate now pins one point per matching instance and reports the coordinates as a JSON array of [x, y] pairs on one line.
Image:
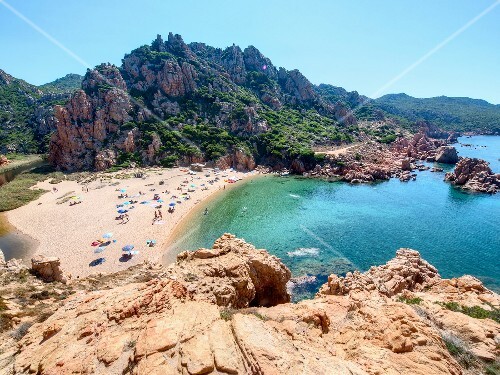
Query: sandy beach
[[68, 231]]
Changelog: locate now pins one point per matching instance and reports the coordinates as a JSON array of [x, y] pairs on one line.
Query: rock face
[[239, 159], [3, 160], [474, 175], [407, 271], [234, 273], [89, 119], [48, 269], [141, 107], [179, 322], [447, 155]]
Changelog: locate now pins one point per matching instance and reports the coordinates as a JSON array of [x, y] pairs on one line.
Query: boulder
[[446, 155], [48, 269], [474, 175]]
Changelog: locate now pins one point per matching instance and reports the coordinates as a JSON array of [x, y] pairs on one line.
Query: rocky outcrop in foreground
[[474, 175], [205, 315]]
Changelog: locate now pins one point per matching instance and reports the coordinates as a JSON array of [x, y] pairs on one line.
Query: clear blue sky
[[359, 45]]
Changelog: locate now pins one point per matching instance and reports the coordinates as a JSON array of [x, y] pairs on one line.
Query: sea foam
[[304, 251]]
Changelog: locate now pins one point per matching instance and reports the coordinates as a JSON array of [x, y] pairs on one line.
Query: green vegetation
[[226, 313], [460, 114], [410, 301], [476, 312], [20, 160], [18, 192], [67, 84]]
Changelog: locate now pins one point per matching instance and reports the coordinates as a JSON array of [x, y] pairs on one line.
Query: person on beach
[[160, 216]]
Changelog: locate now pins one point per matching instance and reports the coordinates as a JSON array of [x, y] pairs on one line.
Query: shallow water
[[317, 227]]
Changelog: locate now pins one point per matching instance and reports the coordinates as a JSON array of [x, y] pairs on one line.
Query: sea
[[318, 228]]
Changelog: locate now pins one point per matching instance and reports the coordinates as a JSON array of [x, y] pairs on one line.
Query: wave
[[294, 196], [304, 251]]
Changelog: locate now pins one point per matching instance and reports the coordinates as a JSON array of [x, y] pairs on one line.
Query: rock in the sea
[[48, 269], [407, 271], [447, 155], [474, 175]]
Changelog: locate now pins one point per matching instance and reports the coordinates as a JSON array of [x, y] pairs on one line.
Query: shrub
[[410, 301], [476, 312], [227, 313]]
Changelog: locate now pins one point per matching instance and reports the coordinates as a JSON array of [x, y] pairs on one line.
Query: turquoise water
[[318, 228]]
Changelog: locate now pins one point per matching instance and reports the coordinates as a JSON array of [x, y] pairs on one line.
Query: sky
[[373, 47]]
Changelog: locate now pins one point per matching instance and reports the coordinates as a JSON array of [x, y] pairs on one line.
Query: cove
[[318, 228]]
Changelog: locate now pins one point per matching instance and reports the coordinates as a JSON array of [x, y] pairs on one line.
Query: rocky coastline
[[226, 310]]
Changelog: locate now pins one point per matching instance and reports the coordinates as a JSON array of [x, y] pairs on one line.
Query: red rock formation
[[446, 154], [474, 175], [174, 324]]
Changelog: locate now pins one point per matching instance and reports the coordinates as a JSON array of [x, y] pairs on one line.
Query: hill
[[458, 114], [26, 112], [171, 101], [67, 84]]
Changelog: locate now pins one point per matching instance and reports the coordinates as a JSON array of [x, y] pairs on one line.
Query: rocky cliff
[[171, 101], [225, 310], [26, 112]]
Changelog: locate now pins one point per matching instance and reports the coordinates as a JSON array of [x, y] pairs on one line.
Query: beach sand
[[67, 232]]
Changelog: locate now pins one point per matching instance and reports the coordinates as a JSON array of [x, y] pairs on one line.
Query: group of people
[[124, 218], [158, 216]]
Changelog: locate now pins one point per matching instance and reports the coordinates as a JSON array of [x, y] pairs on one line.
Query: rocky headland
[[226, 310], [474, 175]]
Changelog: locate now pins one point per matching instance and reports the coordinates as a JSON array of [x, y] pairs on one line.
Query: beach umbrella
[[97, 261], [128, 248], [107, 235], [172, 204], [126, 203], [160, 200], [123, 190], [122, 211], [100, 249], [193, 185]]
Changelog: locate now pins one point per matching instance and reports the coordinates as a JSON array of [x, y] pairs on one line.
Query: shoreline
[[67, 232], [183, 223]]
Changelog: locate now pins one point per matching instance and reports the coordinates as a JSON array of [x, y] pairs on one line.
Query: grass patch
[[18, 160], [18, 192], [493, 369], [476, 312], [410, 301]]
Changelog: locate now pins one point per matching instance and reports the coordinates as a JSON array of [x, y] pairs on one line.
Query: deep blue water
[[318, 228]]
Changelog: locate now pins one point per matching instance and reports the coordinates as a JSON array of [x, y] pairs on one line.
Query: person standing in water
[[206, 211]]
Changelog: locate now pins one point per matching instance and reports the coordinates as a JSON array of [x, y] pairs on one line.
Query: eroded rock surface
[[474, 175], [205, 315]]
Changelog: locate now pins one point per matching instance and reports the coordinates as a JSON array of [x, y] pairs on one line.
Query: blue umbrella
[[128, 247], [122, 211], [126, 203], [123, 190], [172, 204], [160, 200], [107, 235]]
